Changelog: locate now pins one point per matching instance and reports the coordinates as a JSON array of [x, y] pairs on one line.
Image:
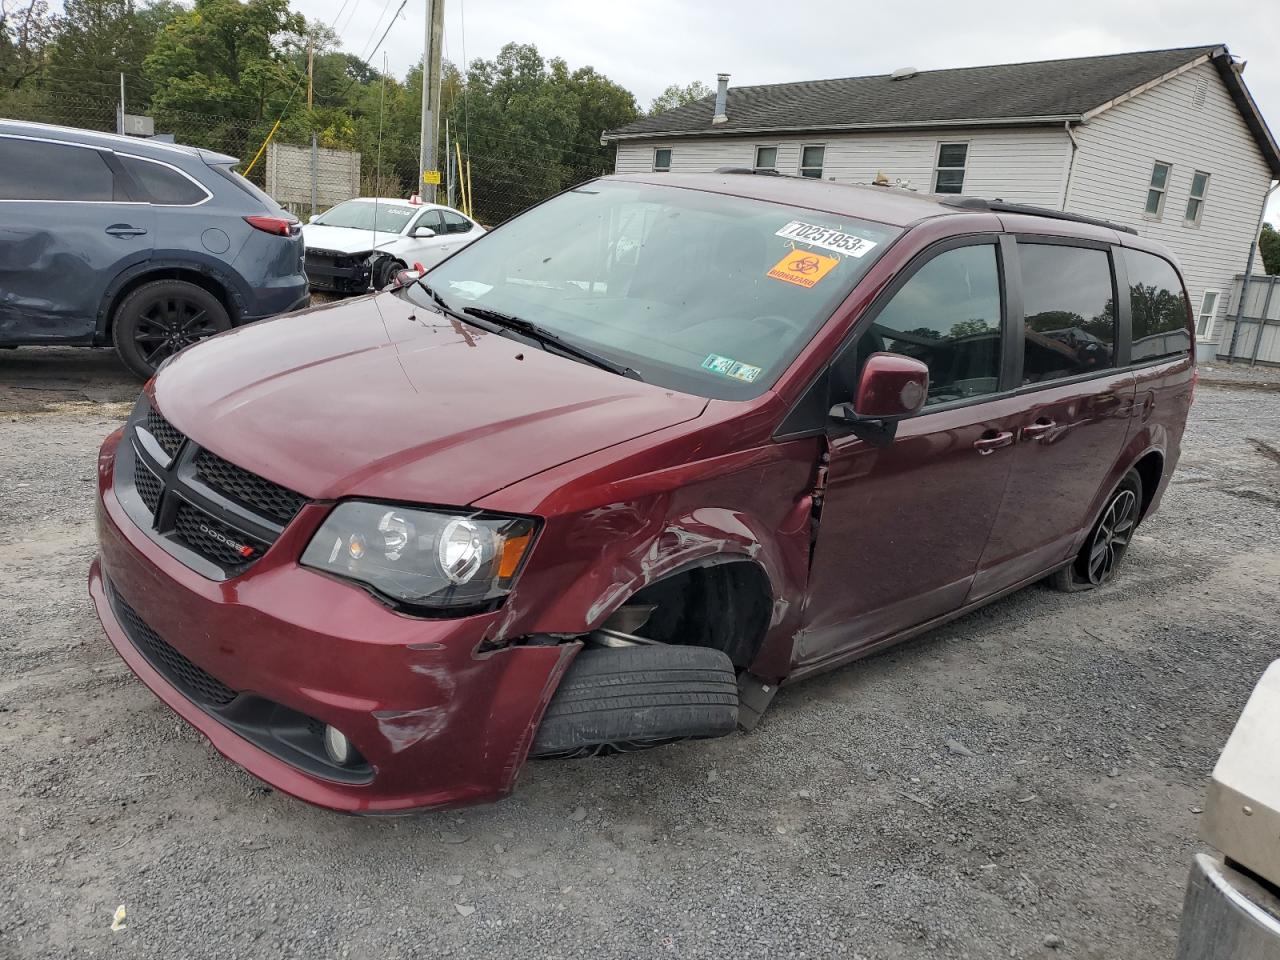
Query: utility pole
[[311, 73], [120, 121], [430, 96]]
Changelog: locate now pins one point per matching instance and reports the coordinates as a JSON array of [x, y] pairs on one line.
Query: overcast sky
[[647, 45]]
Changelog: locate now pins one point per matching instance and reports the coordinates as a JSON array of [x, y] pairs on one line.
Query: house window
[[1195, 203], [1207, 314], [766, 158], [948, 175], [811, 158], [662, 160], [1158, 188]]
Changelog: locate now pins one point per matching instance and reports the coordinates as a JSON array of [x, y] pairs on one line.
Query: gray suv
[[146, 245]]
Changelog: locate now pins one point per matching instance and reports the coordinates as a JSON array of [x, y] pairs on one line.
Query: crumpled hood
[[375, 397], [344, 239]]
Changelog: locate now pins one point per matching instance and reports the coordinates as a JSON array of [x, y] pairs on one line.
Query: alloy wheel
[[168, 325], [1112, 537]]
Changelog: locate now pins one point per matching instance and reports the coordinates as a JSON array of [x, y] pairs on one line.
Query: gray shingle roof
[[1013, 92]]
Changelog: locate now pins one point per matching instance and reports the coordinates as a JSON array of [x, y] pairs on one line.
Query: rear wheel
[[628, 698], [1108, 541], [159, 318]]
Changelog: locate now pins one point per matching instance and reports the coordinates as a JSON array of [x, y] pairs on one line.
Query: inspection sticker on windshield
[[728, 367], [828, 238], [803, 268]]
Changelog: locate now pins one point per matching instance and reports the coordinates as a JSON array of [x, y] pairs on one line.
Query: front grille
[[214, 516], [149, 486], [168, 436], [211, 538], [277, 502], [194, 682]]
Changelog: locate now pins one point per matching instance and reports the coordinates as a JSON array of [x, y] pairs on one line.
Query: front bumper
[[1227, 914], [438, 723]]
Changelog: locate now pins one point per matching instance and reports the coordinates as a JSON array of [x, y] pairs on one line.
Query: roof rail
[[1003, 206], [750, 170]]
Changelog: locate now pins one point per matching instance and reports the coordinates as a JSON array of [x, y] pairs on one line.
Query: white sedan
[[360, 244]]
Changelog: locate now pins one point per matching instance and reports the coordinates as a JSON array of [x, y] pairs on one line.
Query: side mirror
[[892, 387], [422, 233], [313, 218]]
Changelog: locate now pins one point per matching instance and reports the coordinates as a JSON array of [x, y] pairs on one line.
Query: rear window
[[1159, 308], [38, 170], [1069, 305], [163, 184], [247, 186]]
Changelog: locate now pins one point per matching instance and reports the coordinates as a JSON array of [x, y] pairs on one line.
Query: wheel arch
[[1150, 467], [217, 282]]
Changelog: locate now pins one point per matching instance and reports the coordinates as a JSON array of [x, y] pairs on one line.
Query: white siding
[[1026, 166], [1118, 148]]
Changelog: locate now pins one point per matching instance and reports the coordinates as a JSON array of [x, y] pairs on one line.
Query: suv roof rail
[[750, 170], [1004, 206]]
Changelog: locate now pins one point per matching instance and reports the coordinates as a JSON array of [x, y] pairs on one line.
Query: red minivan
[[608, 476]]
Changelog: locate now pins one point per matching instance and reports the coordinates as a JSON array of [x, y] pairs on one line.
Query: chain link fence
[[493, 180]]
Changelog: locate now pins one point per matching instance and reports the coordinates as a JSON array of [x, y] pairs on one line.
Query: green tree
[[677, 96], [26, 34], [1269, 247]]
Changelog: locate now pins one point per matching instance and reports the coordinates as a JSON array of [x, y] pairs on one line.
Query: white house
[[1167, 141]]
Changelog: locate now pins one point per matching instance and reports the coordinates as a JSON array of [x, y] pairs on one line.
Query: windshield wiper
[[546, 338]]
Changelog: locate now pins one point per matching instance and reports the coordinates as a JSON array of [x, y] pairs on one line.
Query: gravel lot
[[1059, 822]]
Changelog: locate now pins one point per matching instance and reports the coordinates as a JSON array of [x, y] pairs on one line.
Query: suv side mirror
[[892, 387], [422, 233], [313, 218]]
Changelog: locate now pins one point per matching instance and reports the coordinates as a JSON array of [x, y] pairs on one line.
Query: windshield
[[358, 214], [703, 293]]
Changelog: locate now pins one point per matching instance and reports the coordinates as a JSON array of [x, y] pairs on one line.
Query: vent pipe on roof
[[722, 98], [903, 73]]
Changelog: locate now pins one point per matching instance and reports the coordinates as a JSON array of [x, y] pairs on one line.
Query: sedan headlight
[[424, 559]]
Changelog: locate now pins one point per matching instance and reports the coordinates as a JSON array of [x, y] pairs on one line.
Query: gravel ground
[[1023, 782]]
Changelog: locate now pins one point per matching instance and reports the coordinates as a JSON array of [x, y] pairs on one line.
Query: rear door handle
[[126, 230], [1037, 430], [990, 444]]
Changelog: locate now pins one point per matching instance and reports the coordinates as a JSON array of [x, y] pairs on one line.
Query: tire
[[384, 271], [1108, 541], [159, 318], [628, 698]]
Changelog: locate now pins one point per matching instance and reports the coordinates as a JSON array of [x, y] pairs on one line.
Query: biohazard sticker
[[728, 367], [829, 238], [803, 268]]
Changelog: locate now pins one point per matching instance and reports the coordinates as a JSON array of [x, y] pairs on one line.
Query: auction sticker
[[728, 367], [803, 268], [828, 238]]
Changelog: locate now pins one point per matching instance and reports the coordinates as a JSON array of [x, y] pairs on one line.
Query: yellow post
[[263, 148], [470, 205], [462, 186]]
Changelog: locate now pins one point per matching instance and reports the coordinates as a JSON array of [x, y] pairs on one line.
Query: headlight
[[425, 559]]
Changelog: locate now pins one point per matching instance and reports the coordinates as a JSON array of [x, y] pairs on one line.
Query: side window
[[1159, 308], [38, 170], [163, 185], [430, 218], [1069, 309], [947, 316], [1156, 190], [453, 223]]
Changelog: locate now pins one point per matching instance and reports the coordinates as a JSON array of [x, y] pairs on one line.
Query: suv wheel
[[1108, 541], [160, 318]]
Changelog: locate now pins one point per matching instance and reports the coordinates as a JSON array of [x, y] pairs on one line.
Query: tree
[[677, 96], [227, 58], [1269, 247], [25, 36]]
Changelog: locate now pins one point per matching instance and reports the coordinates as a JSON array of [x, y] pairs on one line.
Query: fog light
[[338, 747]]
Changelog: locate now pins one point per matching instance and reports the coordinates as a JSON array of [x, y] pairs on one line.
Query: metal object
[[1112, 538], [1248, 274], [1227, 914]]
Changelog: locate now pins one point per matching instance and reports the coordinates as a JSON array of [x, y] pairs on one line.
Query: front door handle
[[126, 230], [1038, 430], [991, 441]]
